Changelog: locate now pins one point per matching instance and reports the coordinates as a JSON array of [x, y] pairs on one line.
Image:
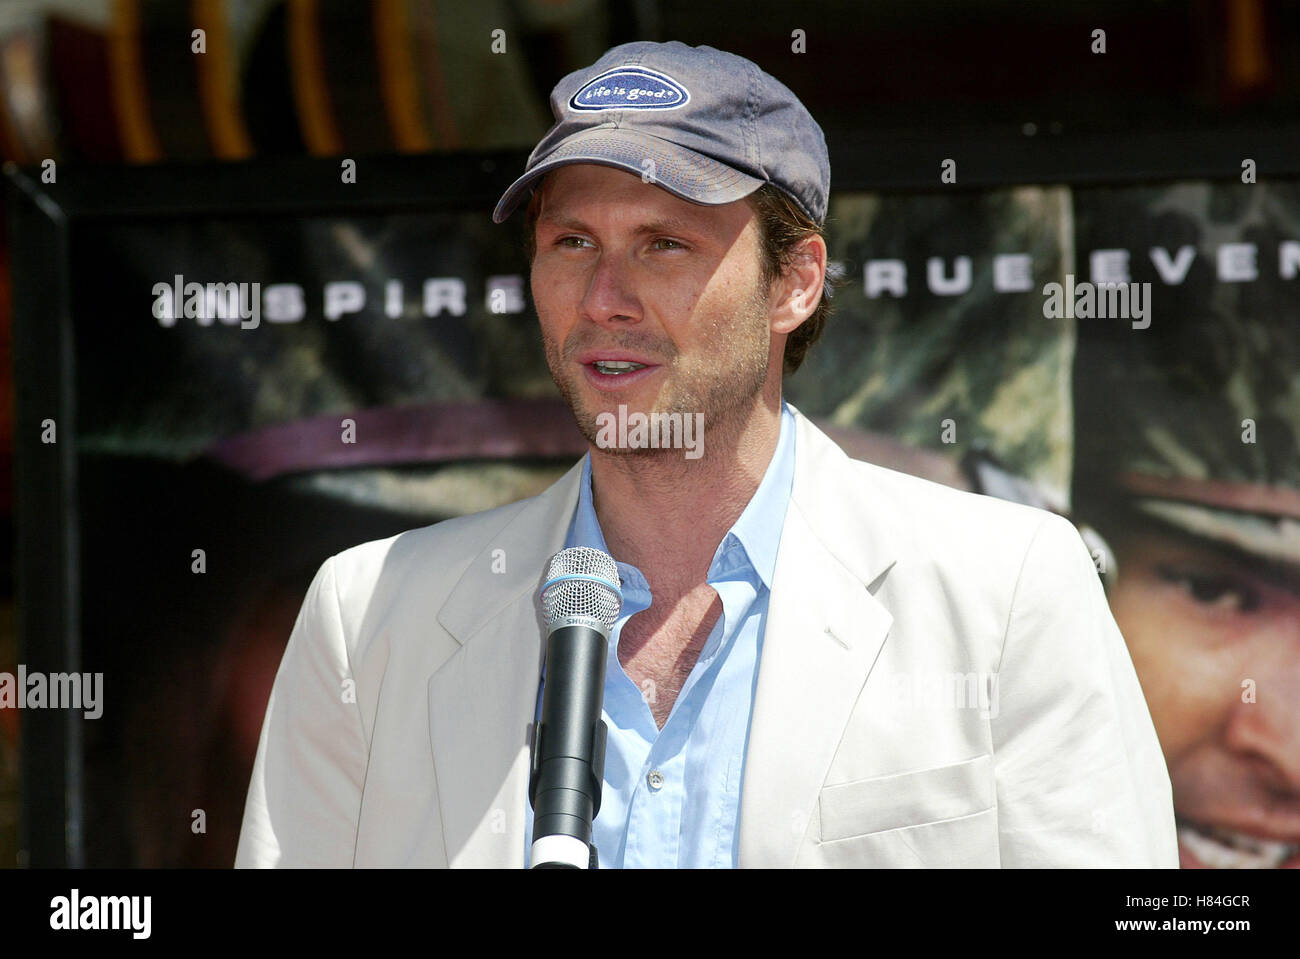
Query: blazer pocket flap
[[906, 799]]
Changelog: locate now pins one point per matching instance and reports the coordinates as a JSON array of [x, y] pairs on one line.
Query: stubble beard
[[726, 395]]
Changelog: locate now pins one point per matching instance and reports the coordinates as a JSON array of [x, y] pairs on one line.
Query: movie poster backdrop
[[1124, 355]]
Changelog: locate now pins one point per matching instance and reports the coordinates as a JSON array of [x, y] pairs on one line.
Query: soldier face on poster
[[1188, 464]]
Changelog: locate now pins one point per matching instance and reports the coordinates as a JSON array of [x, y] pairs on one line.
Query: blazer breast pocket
[[906, 799]]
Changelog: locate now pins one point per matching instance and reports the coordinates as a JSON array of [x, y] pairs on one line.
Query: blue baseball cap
[[707, 126]]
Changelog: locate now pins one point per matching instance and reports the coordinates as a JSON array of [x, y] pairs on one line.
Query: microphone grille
[[581, 583]]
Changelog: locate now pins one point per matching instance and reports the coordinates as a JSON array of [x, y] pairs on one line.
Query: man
[[818, 662], [1189, 466]]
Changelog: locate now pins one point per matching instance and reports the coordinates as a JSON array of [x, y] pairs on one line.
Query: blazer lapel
[[823, 634], [482, 700]]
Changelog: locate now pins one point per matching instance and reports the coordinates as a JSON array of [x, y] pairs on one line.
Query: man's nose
[[1269, 727], [611, 293]]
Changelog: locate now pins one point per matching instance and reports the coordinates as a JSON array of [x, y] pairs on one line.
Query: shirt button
[[655, 780]]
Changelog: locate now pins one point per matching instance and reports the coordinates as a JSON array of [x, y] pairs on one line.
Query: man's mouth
[[1221, 848], [616, 367], [613, 371]]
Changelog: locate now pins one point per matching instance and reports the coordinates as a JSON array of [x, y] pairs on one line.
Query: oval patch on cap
[[631, 88]]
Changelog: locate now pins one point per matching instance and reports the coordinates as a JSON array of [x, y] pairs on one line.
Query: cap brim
[[1276, 538], [682, 172]]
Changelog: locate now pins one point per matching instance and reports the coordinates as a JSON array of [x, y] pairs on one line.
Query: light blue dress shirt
[[671, 796]]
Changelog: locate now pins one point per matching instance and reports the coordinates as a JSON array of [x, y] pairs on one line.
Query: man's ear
[[797, 290]]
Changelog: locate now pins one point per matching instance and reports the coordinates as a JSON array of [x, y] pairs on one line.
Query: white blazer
[[397, 732]]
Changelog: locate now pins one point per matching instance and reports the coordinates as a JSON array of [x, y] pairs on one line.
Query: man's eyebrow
[[665, 224], [669, 224]]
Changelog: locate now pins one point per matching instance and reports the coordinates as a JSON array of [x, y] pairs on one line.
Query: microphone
[[581, 600]]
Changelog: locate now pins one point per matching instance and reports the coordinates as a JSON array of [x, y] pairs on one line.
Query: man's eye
[[571, 242], [1213, 590], [663, 243]]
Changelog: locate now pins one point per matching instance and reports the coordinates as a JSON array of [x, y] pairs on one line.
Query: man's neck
[[666, 514]]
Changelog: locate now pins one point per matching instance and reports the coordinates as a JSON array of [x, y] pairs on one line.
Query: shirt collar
[[759, 526], [758, 530]]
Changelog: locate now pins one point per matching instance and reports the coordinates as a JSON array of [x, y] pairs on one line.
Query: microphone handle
[[568, 762]]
